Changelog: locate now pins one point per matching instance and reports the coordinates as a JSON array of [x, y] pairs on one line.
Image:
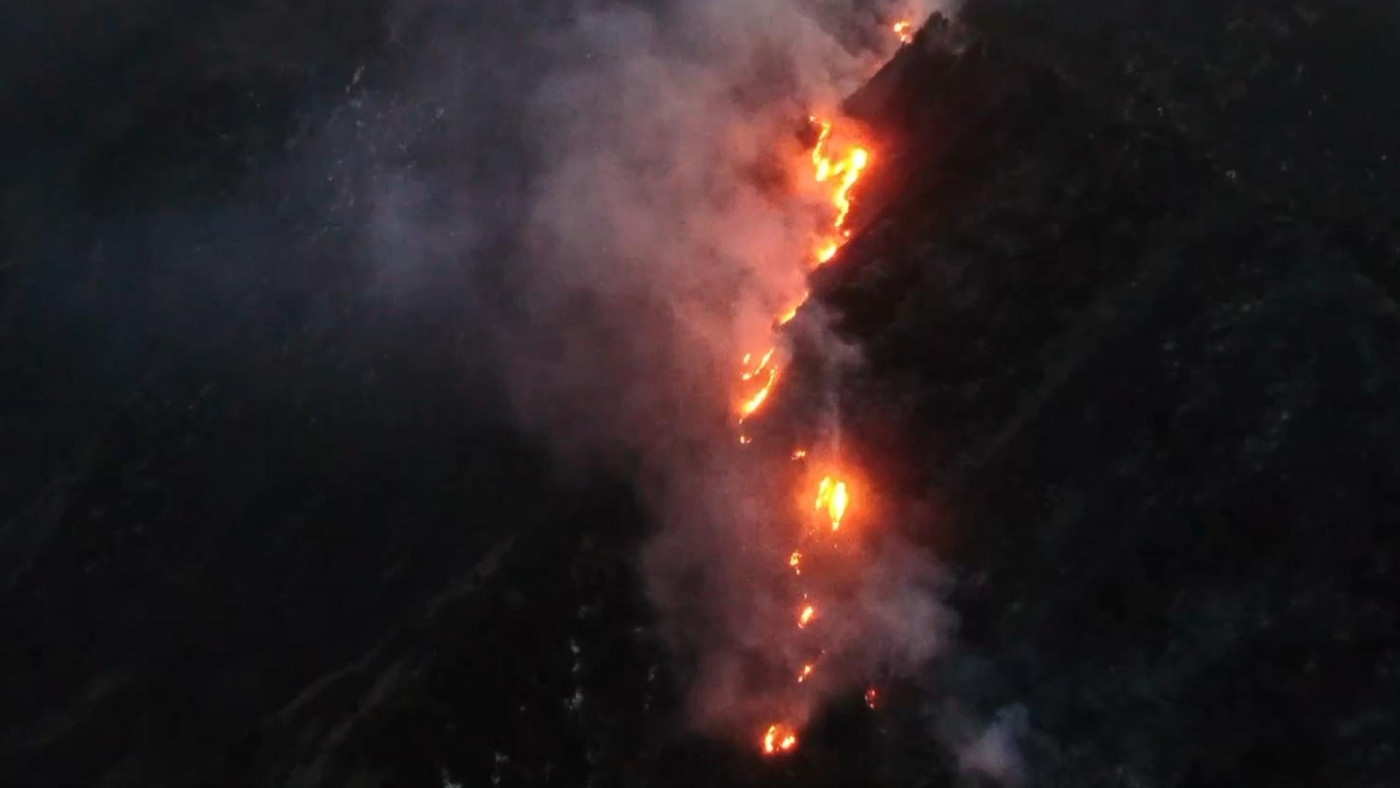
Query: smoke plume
[[656, 218]]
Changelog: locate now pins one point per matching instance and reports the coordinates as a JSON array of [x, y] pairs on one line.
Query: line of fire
[[838, 159]]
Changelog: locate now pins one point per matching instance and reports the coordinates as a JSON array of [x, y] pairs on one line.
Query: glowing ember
[[832, 498], [745, 440], [904, 29], [795, 561], [779, 738], [799, 454], [805, 617], [806, 671], [872, 698]]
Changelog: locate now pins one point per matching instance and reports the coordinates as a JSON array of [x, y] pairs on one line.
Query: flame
[[846, 169], [761, 366], [837, 165], [780, 737], [791, 312], [849, 169], [872, 698], [833, 498], [903, 28], [770, 377]]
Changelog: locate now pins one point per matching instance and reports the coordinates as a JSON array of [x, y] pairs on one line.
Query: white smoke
[[988, 753], [661, 224]]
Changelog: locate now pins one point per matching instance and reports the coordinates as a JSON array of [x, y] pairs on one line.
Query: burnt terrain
[[1125, 283]]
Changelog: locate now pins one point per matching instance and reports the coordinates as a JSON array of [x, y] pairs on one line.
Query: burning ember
[[872, 698], [805, 617], [779, 738], [905, 30], [832, 497], [806, 671], [795, 561]]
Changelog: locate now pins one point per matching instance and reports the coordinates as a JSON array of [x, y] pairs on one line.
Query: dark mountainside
[[1126, 285]]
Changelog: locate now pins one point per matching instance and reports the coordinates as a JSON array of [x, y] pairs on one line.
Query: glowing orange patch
[[779, 738]]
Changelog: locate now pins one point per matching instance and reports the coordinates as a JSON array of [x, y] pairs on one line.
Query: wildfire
[[762, 364], [780, 737], [904, 29], [845, 170], [768, 373], [791, 312], [833, 498], [766, 370], [837, 165]]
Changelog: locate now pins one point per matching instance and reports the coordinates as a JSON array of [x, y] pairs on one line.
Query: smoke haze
[[607, 204], [667, 222]]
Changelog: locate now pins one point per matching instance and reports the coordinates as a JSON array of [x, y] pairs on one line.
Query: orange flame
[[791, 312], [847, 169], [833, 498], [780, 737], [762, 363], [903, 28], [837, 172], [766, 370]]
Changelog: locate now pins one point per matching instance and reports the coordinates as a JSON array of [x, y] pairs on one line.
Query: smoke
[[668, 227], [988, 753], [656, 217]]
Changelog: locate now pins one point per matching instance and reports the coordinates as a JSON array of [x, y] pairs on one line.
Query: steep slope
[[1141, 401]]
